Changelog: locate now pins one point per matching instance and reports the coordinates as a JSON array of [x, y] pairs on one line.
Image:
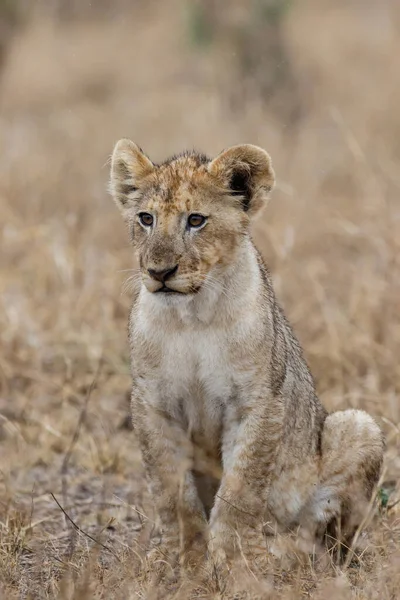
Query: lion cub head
[[188, 216]]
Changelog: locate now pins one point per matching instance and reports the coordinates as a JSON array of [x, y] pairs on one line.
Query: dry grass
[[331, 238]]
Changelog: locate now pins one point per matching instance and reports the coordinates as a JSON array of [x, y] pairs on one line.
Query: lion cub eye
[[146, 219], [195, 221]]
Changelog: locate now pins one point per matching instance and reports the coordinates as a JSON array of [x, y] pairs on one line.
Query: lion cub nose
[[163, 274]]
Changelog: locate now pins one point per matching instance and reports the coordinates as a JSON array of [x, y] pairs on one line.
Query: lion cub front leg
[[166, 452], [249, 453]]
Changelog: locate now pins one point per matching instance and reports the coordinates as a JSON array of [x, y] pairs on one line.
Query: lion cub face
[[188, 216]]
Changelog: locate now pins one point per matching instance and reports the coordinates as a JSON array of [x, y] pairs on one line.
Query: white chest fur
[[195, 369], [193, 380], [203, 345]]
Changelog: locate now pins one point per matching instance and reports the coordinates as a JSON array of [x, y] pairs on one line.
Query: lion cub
[[223, 402]]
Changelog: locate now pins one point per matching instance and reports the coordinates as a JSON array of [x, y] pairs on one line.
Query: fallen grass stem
[[81, 531]]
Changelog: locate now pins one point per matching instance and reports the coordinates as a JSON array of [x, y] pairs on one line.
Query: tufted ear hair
[[129, 165], [247, 173]]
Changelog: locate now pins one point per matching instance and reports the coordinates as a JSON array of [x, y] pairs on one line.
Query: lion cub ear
[[129, 166], [247, 173]]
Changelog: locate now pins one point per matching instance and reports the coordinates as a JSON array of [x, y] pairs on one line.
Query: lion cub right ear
[[246, 171], [129, 165]]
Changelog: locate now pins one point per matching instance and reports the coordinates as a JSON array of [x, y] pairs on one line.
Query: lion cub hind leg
[[351, 459]]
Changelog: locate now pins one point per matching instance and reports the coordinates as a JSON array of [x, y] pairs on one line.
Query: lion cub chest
[[195, 378]]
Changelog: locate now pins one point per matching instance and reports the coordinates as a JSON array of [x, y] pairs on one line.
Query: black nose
[[163, 274]]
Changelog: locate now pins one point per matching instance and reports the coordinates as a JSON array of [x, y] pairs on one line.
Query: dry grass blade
[[80, 530]]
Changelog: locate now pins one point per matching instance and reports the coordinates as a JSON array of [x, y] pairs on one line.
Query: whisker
[[216, 290], [215, 285], [130, 283]]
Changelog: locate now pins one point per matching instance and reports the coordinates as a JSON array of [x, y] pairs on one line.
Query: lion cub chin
[[223, 403]]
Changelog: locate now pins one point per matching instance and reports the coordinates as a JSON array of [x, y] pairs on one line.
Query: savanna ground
[[315, 82]]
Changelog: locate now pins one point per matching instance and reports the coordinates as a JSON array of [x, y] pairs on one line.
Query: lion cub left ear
[[129, 167], [247, 173]]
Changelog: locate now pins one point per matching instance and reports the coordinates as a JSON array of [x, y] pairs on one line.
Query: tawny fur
[[223, 403]]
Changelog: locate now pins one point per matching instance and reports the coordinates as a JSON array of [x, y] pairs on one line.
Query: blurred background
[[314, 82]]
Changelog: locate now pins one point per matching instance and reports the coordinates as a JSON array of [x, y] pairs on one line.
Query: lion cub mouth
[[171, 291], [167, 290]]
